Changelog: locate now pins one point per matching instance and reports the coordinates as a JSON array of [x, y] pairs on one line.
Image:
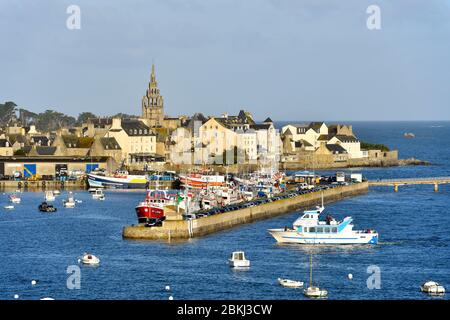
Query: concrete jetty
[[185, 229]]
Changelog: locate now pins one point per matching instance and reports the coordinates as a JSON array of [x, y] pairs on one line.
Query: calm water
[[413, 227]]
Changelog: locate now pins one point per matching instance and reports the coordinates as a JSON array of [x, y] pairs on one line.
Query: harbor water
[[413, 228]]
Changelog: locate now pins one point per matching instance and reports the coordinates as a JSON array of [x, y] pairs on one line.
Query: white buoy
[[16, 296], [33, 282], [350, 276], [170, 298], [167, 288]]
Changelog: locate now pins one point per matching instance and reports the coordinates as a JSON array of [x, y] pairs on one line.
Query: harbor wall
[[182, 229], [11, 185]]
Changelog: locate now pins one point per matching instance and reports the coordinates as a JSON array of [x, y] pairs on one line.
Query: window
[[320, 229], [334, 230], [326, 230], [312, 229], [306, 216]]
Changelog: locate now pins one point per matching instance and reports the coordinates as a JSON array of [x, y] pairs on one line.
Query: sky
[[288, 59]]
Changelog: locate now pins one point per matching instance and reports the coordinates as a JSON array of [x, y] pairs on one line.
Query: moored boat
[[98, 195], [14, 198], [290, 283], [313, 291], [119, 180], [49, 196], [153, 206], [89, 259], [70, 201], [432, 288], [238, 260], [200, 181], [46, 207]]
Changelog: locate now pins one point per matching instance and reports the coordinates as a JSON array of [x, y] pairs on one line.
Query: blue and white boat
[[308, 229]]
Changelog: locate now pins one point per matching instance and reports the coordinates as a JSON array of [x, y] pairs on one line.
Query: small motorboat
[[290, 283], [56, 192], [409, 135], [49, 196], [46, 207], [98, 195], [14, 198], [9, 207], [69, 202], [89, 259], [432, 288], [92, 190], [238, 260]]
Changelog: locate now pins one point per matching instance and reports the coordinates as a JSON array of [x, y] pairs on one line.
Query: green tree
[[84, 117], [7, 111]]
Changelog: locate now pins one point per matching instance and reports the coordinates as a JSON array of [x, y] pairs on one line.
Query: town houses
[[154, 140]]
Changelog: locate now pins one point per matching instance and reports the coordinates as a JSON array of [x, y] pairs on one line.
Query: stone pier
[[183, 229]]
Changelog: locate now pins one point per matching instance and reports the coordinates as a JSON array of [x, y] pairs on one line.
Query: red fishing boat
[[153, 205]]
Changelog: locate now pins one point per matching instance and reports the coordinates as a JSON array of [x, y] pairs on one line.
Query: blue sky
[[290, 60]]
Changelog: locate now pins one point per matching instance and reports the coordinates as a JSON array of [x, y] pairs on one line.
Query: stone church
[[153, 103], [153, 108]]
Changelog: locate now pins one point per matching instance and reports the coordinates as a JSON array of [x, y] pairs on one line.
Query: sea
[[413, 225]]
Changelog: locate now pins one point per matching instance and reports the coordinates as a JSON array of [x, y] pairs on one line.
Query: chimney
[[116, 123]]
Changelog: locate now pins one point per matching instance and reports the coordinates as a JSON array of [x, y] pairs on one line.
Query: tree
[[7, 112], [84, 117]]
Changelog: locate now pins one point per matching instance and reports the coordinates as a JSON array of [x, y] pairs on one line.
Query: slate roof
[[45, 151], [110, 143], [344, 138], [335, 148], [268, 120], [72, 141], [136, 128], [42, 140], [260, 126]]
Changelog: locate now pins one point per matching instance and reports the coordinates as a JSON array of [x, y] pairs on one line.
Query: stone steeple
[[153, 103]]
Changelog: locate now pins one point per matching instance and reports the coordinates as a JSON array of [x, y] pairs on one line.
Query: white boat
[[70, 201], [9, 207], [90, 259], [14, 198], [432, 288], [49, 196], [290, 283], [98, 195], [119, 180], [238, 260], [308, 229], [56, 192], [313, 291]]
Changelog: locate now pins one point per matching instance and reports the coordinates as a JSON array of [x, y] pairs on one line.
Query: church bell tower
[[153, 103]]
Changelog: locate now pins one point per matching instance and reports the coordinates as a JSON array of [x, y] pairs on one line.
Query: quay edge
[[184, 229]]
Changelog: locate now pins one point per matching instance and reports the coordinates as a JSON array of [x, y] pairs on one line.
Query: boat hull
[[134, 182], [291, 236], [146, 212]]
